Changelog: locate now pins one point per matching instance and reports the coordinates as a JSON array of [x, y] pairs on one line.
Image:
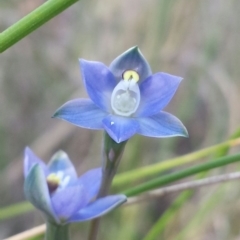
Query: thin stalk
[[15, 210], [23, 207], [170, 213], [185, 186], [166, 217], [169, 178], [147, 171], [32, 21], [57, 232], [210, 204], [32, 233], [112, 154]]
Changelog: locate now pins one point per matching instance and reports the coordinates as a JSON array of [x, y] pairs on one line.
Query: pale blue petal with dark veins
[[98, 208], [82, 113], [67, 201], [30, 159], [156, 92], [132, 59], [161, 125], [99, 83], [36, 191], [120, 128], [60, 162], [91, 180]]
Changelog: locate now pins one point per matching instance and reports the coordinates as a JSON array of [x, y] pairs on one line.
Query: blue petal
[[120, 128], [98, 208], [36, 191], [30, 159], [82, 113], [99, 83], [67, 202], [91, 180], [132, 59], [156, 92], [61, 163], [161, 125]]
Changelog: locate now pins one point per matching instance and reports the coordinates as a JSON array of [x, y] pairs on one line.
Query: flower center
[[125, 97], [57, 180], [53, 182]]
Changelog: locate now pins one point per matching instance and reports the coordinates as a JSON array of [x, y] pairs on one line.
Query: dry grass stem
[[152, 194], [29, 233], [184, 186]]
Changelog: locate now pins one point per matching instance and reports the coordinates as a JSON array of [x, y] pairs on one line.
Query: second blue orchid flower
[[56, 190], [125, 99]]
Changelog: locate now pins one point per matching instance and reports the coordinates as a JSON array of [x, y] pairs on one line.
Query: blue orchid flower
[[125, 99], [56, 190]]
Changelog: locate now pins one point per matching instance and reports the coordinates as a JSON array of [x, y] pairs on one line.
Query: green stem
[[112, 154], [147, 171], [20, 208], [169, 178], [32, 21], [15, 210], [169, 215], [57, 232]]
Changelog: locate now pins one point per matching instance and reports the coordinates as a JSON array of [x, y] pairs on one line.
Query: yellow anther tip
[[131, 74], [53, 178]]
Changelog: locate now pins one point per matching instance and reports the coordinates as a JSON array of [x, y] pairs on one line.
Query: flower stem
[[59, 232], [112, 154], [175, 176], [150, 170], [32, 21]]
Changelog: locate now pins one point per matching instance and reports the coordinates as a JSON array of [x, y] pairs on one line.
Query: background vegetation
[[198, 40]]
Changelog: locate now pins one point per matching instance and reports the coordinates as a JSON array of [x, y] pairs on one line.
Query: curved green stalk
[[170, 213], [32, 21], [23, 207], [147, 171], [15, 210], [210, 204], [169, 178]]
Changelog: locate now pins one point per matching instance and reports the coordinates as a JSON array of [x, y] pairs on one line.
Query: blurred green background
[[198, 40]]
